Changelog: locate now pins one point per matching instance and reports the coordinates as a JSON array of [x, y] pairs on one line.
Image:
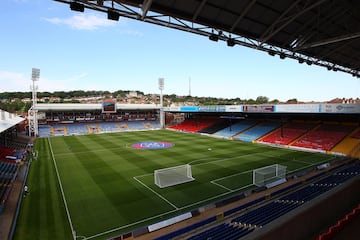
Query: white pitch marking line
[[131, 224], [163, 214], [217, 184], [62, 192], [157, 194], [294, 160], [235, 174]]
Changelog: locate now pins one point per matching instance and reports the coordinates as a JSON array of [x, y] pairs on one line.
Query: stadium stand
[[356, 134], [193, 125], [348, 145], [140, 125], [187, 229], [76, 129], [257, 131], [105, 127], [324, 137], [92, 128], [215, 127], [287, 133], [334, 230], [223, 231], [45, 131], [235, 128], [265, 214], [123, 127], [8, 172]]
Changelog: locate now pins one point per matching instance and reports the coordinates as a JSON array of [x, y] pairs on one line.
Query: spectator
[[26, 190]]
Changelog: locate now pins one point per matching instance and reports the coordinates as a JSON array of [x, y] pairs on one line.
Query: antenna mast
[[189, 86]]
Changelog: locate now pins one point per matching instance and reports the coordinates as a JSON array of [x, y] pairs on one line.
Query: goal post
[[171, 176], [269, 174]]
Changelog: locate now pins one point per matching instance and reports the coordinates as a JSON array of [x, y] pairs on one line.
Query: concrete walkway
[[7, 216]]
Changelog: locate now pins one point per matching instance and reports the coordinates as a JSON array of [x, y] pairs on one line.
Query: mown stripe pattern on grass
[[99, 175]]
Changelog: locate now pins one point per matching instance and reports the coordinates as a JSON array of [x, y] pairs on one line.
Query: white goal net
[[269, 174], [167, 177]]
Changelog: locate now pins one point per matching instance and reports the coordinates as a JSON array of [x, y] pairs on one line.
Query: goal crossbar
[[267, 175], [171, 176]]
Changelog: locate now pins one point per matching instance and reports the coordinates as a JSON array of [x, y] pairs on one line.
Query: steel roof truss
[[285, 20]]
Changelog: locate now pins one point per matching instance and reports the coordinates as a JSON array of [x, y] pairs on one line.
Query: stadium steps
[[266, 135], [148, 125], [234, 129], [349, 143], [355, 152], [356, 133], [257, 131], [248, 129], [325, 137], [123, 127], [93, 128], [89, 129], [291, 131]]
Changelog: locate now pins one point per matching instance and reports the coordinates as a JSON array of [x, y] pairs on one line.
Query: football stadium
[[113, 171]]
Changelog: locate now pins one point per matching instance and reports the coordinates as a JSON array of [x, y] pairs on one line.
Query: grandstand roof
[[323, 32], [8, 120], [90, 106]]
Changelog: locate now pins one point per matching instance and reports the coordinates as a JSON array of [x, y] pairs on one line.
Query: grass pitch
[[97, 186]]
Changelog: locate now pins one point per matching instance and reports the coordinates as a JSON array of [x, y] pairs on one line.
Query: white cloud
[[19, 82], [13, 81], [83, 21], [70, 83]]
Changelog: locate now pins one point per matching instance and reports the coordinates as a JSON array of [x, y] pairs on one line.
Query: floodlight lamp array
[[78, 7]]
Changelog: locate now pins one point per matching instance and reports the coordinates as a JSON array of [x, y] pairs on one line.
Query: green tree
[[292, 101], [262, 99]]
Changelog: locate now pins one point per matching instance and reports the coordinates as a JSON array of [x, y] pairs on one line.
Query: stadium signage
[[340, 108], [211, 108], [258, 108], [109, 106], [298, 108], [234, 108], [189, 109]]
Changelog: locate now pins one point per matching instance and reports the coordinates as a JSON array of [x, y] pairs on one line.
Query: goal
[[167, 177], [269, 174]]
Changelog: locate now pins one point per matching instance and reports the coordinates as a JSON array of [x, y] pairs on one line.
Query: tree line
[[12, 101]]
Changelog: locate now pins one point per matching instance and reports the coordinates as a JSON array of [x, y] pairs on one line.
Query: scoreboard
[[109, 106]]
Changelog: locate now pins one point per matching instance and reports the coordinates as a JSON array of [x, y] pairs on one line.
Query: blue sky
[[85, 51]]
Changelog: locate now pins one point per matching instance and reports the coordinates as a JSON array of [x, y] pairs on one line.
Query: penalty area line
[[156, 193]]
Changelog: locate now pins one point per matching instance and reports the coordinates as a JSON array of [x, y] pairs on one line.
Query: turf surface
[[108, 186]]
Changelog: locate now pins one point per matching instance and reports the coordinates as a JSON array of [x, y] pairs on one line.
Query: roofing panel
[[302, 28], [8, 120]]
